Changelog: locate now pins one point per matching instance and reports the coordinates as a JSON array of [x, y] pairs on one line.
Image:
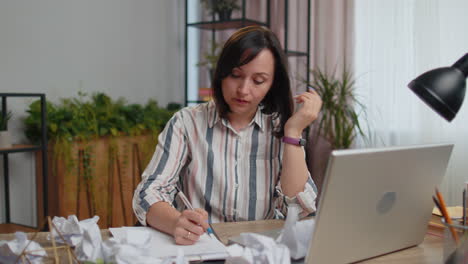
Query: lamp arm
[[462, 65]]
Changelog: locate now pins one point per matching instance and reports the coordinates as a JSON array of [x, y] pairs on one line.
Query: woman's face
[[247, 85]]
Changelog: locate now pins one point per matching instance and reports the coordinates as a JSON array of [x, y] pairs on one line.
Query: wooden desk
[[430, 251]]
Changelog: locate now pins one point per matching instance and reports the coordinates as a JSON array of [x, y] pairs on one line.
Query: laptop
[[376, 201]]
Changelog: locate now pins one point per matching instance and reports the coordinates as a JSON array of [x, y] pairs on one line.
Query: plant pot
[[225, 15], [318, 151], [5, 139]]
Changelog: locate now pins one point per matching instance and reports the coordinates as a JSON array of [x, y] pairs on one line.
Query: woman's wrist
[[292, 133], [163, 216]]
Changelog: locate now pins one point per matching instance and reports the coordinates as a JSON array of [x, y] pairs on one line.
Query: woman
[[238, 157]]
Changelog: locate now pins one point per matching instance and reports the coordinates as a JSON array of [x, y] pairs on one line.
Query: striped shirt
[[233, 175]]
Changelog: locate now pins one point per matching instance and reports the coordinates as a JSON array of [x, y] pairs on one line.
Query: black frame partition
[[215, 25], [28, 148]]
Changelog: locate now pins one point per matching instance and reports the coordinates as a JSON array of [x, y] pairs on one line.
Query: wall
[[125, 48]]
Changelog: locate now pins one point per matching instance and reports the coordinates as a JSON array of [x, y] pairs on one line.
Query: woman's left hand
[[311, 104]]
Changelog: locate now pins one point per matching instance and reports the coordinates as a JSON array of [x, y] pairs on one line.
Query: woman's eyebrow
[[263, 73]]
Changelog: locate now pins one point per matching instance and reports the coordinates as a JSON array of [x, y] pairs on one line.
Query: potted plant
[[210, 58], [5, 139], [97, 150], [339, 122], [223, 8]]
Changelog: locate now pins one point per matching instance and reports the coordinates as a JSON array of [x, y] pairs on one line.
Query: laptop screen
[[376, 201]]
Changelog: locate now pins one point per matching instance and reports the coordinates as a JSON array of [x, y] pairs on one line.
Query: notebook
[[163, 245], [376, 201]]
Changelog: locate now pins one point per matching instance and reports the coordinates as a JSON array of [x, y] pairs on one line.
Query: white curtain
[[332, 27], [395, 41], [332, 47]]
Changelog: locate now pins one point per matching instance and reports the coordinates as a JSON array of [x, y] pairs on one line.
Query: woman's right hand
[[190, 225]]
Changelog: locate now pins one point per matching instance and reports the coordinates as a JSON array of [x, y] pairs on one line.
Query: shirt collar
[[215, 118]]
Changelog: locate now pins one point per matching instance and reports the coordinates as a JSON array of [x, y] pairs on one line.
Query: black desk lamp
[[443, 89]]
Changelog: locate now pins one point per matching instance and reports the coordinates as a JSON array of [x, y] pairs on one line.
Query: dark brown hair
[[241, 48]]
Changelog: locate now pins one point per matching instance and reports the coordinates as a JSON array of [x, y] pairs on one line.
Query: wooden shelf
[[196, 101], [12, 228], [229, 24], [292, 53], [20, 148]]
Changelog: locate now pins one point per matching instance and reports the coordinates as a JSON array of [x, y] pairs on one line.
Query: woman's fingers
[[309, 94], [204, 214], [193, 222], [312, 90], [301, 98], [196, 218], [187, 232], [190, 226], [310, 100], [183, 236], [307, 113]]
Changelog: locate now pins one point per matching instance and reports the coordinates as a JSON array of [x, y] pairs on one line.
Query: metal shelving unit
[[213, 25], [297, 53], [27, 148]]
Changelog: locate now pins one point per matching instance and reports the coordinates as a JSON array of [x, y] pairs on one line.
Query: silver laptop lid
[[376, 201]]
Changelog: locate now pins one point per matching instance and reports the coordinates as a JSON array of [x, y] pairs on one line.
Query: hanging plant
[[85, 129], [84, 119], [81, 119]]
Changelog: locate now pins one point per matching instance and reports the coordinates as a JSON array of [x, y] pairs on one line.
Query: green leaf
[[53, 127], [114, 131], [85, 117], [339, 122]]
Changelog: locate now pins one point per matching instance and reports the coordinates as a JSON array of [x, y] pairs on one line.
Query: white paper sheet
[[163, 245], [258, 250], [296, 235], [10, 250]]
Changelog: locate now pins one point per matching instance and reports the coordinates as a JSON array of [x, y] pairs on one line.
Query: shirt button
[[236, 185]]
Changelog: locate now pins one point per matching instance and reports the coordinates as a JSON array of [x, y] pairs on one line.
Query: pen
[[190, 207], [443, 210], [184, 199]]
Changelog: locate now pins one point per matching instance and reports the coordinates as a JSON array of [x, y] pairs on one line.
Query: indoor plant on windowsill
[[5, 139]]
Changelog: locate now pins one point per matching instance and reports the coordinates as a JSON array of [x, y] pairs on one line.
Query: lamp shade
[[443, 89]]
